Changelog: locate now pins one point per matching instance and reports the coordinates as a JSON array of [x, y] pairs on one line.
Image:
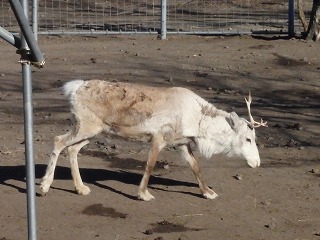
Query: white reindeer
[[164, 116]]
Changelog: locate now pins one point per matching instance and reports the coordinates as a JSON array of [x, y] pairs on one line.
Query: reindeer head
[[244, 144]]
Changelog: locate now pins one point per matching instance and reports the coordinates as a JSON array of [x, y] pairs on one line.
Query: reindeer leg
[[189, 157], [73, 152], [143, 192], [84, 129], [59, 145]]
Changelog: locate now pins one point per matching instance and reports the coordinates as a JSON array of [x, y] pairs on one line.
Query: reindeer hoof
[[210, 194], [43, 194], [44, 188], [83, 190], [145, 196]]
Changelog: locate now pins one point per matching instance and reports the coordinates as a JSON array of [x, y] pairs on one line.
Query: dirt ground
[[279, 200]]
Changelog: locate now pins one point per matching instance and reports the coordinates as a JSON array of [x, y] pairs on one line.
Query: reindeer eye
[[248, 140]]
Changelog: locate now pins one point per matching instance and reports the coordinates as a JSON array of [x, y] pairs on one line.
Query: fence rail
[[144, 16]]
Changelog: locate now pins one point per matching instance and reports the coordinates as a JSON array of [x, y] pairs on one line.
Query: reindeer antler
[[252, 121]]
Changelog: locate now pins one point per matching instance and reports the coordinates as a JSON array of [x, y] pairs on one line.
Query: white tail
[[162, 115], [70, 88]]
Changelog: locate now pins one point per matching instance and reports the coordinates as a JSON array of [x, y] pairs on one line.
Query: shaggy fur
[[174, 116]]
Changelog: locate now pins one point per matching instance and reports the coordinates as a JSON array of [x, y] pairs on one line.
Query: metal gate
[[144, 16]]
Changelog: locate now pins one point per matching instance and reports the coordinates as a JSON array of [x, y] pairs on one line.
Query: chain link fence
[[144, 16]]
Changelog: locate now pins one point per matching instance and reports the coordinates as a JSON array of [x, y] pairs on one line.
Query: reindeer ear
[[234, 121]]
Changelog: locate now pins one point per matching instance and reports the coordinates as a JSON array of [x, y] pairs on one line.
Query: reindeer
[[164, 116]]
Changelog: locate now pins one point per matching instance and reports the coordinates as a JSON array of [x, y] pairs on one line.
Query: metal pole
[[19, 12], [28, 131], [93, 33], [35, 18], [10, 38], [163, 19], [291, 18]]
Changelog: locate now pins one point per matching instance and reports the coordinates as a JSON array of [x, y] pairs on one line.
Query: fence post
[[28, 129], [163, 19], [291, 18], [35, 18]]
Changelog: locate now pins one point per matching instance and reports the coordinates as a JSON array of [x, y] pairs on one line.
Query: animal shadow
[[91, 176]]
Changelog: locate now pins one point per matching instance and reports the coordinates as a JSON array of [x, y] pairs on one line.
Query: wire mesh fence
[[144, 16], [227, 16], [113, 16]]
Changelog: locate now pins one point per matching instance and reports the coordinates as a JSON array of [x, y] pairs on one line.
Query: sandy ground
[[279, 200]]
